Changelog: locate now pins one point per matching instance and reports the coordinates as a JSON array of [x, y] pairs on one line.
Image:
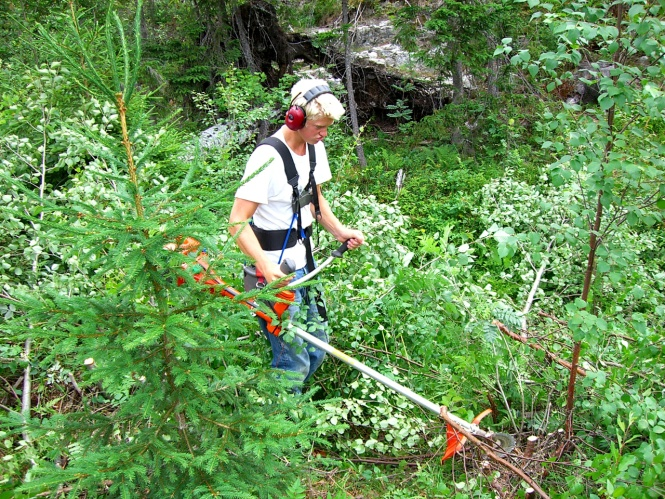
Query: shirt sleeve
[[322, 172], [260, 169]]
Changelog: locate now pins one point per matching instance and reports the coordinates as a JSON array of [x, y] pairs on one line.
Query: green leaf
[[525, 55], [615, 277], [636, 10], [603, 267], [581, 304], [573, 34], [605, 102]]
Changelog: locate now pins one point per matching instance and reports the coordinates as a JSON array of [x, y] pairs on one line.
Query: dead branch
[[27, 386], [72, 380], [534, 288], [537, 346], [555, 319]]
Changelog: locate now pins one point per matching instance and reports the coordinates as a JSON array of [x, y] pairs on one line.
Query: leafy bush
[[422, 326]]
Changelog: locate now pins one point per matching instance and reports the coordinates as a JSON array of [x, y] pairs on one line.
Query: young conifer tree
[[182, 409]]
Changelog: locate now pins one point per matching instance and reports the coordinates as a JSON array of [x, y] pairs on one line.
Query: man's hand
[[354, 237], [271, 272]]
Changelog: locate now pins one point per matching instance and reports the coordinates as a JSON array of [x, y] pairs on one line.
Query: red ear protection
[[296, 117]]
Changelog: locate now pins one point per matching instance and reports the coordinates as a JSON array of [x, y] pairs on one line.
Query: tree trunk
[[245, 46], [458, 81], [594, 242], [492, 73], [348, 76]]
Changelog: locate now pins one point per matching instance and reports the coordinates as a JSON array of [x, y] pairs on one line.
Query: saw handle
[[341, 250], [288, 266]]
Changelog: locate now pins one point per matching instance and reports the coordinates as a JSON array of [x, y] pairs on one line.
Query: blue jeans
[[295, 356]]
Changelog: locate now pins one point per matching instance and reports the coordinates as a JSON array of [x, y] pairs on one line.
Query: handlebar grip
[[288, 266], [341, 250]]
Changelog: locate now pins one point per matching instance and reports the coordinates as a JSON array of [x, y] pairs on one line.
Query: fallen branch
[[534, 287], [27, 387], [490, 453], [555, 319], [72, 380], [537, 346]]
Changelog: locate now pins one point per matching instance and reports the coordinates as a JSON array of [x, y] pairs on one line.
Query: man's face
[[316, 130]]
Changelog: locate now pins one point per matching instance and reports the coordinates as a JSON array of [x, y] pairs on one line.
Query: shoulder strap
[[291, 172], [287, 159]]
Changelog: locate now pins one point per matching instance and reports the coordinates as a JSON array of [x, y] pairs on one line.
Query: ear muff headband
[[296, 117]]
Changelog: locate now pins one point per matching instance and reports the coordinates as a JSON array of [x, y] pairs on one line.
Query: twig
[[72, 380], [490, 453], [536, 346], [534, 289], [505, 400], [11, 390], [27, 386], [555, 319]]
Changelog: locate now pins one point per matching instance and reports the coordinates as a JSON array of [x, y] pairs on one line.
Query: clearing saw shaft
[[393, 385]]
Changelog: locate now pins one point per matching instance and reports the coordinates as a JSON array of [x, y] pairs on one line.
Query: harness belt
[[273, 240]]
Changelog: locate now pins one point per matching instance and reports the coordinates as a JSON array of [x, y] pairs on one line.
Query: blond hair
[[325, 105]]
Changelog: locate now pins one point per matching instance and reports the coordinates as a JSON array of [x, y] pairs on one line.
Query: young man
[[268, 200]]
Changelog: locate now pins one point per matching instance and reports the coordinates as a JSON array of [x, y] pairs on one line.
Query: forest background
[[517, 264]]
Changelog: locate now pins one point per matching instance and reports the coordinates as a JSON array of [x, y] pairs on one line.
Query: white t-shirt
[[272, 191]]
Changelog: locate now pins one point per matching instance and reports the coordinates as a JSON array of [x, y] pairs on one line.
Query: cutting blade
[[505, 441]]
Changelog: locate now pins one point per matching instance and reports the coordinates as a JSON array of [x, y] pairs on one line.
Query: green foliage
[[17, 21], [306, 14], [420, 326], [400, 111], [176, 406], [607, 161], [439, 187], [630, 462], [239, 102], [612, 151], [463, 33], [187, 46]]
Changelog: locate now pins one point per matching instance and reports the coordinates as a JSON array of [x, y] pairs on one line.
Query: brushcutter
[[455, 442], [203, 274]]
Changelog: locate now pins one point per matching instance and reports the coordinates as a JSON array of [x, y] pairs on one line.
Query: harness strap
[[278, 239], [292, 176], [312, 182], [320, 305]]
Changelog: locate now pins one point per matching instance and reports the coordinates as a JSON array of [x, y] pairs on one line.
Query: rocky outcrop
[[384, 74]]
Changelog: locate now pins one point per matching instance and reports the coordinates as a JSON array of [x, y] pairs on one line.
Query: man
[[282, 214]]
